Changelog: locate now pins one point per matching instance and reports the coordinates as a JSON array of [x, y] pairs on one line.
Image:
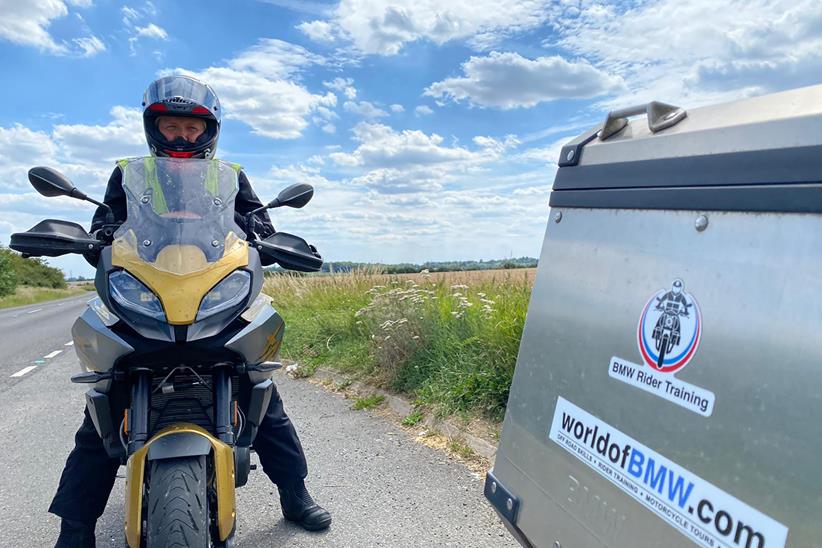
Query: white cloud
[[129, 15], [299, 174], [700, 51], [397, 108], [496, 146], [393, 181], [91, 45], [275, 59], [508, 80], [385, 26], [382, 147], [423, 110], [364, 109], [151, 31], [390, 161], [26, 23], [255, 88], [120, 138], [20, 149], [320, 31], [343, 85]]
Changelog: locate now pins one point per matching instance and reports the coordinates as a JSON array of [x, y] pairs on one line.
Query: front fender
[[180, 440]]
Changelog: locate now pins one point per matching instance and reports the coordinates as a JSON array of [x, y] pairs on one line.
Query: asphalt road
[[382, 487]]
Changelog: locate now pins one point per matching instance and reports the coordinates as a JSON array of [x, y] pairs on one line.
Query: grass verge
[[448, 340], [24, 295]]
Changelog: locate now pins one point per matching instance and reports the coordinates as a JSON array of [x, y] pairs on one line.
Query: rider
[[181, 118], [674, 300]]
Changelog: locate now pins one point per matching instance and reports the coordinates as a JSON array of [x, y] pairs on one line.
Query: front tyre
[[177, 515], [663, 349]]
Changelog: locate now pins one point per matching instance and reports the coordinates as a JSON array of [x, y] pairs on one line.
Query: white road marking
[[24, 371], [33, 311], [70, 343], [52, 354]]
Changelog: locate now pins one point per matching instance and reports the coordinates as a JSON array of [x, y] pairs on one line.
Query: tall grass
[[449, 340], [30, 295]]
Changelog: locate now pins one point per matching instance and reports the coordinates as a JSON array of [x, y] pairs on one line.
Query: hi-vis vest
[[158, 200]]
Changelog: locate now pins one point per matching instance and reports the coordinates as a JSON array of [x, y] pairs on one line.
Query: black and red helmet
[[181, 96]]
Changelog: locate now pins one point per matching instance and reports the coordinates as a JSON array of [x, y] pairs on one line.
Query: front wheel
[[663, 349], [177, 513]]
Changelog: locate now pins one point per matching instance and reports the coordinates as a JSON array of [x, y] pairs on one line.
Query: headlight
[[228, 293], [130, 293]]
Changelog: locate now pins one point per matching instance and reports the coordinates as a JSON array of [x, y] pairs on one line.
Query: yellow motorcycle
[[180, 344]]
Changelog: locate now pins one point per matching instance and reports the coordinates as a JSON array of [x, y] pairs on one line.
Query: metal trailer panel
[[755, 277]]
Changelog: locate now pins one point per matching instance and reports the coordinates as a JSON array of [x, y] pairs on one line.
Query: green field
[[24, 295], [449, 340]]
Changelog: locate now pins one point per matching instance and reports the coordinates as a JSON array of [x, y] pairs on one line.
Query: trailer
[[668, 388]]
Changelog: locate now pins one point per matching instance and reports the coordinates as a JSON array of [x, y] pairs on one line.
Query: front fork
[[181, 440], [139, 411], [138, 419]]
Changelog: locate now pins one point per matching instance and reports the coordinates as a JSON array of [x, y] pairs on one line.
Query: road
[[382, 487]]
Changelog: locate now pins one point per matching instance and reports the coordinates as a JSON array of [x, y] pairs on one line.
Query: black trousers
[[89, 474]]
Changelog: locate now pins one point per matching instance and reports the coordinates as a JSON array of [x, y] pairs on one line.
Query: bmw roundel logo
[[669, 329]]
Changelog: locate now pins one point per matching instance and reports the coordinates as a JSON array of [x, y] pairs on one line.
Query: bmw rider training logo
[[668, 335], [669, 329]]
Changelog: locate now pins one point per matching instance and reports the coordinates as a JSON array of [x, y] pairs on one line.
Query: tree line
[[430, 266], [34, 272]]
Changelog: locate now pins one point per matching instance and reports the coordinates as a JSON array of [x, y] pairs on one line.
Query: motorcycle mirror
[[296, 195], [50, 182]]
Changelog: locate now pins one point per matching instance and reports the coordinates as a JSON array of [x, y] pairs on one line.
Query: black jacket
[[246, 201]]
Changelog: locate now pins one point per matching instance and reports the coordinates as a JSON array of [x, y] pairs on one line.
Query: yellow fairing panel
[[223, 478], [180, 276]]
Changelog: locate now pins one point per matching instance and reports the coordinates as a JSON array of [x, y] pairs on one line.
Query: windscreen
[[180, 213]]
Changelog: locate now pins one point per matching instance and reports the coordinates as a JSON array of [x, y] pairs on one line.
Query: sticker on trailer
[[668, 335], [699, 510]]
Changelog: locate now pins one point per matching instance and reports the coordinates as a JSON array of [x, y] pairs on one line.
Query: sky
[[430, 129]]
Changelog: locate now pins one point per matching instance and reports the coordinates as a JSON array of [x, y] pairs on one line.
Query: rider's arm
[[115, 199], [246, 201]]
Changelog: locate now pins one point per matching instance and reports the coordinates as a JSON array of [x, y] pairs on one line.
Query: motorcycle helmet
[[181, 96], [677, 287]]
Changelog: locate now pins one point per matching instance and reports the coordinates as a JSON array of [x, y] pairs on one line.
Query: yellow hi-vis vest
[[158, 200]]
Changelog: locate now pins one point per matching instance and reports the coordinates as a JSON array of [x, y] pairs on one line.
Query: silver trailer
[[668, 389]]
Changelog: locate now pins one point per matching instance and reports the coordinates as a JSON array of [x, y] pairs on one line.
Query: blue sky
[[429, 129]]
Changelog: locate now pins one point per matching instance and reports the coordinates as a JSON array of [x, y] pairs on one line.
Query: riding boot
[[76, 534], [299, 507]]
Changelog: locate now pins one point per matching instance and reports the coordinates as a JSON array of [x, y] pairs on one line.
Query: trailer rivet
[[91, 246], [145, 199], [570, 155], [701, 223], [509, 505], [557, 216], [493, 487], [218, 202], [214, 243], [146, 243]]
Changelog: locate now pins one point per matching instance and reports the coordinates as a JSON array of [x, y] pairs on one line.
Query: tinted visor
[[182, 95]]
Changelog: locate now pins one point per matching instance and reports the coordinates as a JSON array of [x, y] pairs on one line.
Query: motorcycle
[[179, 345], [667, 329]]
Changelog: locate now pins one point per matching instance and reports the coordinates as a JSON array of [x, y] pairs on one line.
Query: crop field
[[449, 340]]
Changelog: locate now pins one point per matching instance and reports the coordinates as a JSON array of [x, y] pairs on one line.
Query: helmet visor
[[181, 94]]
